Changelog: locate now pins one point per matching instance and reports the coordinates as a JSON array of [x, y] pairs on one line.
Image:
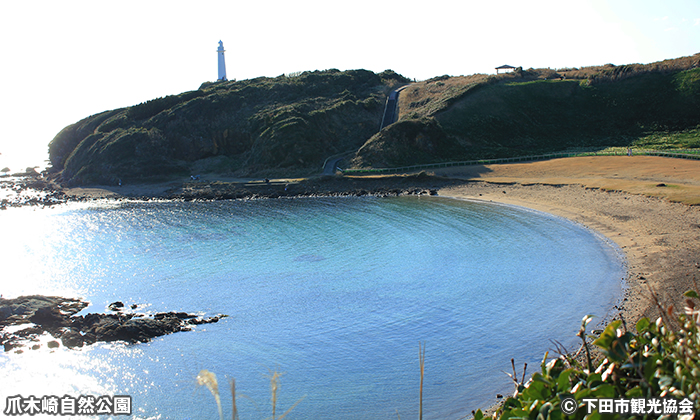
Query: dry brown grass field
[[424, 98], [608, 72], [676, 180]]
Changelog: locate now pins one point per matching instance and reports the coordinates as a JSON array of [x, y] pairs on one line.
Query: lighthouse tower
[[222, 63]]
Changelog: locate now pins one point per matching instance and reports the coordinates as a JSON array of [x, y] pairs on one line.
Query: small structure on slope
[[505, 68]]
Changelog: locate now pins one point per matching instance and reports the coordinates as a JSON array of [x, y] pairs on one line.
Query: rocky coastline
[[29, 189], [322, 186], [23, 320], [34, 189]]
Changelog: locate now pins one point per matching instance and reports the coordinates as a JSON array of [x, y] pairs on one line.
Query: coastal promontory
[[259, 127]]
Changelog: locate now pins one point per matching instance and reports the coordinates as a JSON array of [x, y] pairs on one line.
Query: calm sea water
[[336, 293]]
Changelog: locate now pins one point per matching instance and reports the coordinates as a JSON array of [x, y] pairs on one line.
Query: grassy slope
[[534, 111], [264, 126]]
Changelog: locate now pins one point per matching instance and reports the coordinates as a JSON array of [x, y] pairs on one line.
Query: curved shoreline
[[610, 195], [666, 259], [615, 250], [661, 240]]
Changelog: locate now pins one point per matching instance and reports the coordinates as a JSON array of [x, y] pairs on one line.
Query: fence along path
[[683, 154]]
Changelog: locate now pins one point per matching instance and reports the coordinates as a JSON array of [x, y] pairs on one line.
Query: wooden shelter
[[506, 68]]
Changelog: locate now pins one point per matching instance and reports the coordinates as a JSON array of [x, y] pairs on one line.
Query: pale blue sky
[[65, 60]]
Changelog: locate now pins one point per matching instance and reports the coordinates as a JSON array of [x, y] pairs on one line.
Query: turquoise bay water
[[336, 293]]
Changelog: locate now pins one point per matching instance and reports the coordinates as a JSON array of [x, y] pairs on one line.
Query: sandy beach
[[619, 197]]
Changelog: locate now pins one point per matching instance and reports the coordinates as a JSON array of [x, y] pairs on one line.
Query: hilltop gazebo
[[506, 68]]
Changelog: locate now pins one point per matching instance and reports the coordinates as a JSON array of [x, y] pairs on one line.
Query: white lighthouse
[[222, 63]]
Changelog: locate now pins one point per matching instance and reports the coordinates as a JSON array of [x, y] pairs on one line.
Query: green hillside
[[539, 111], [289, 125], [263, 126]]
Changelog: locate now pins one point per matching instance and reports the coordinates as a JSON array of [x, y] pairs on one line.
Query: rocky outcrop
[[325, 186], [57, 317]]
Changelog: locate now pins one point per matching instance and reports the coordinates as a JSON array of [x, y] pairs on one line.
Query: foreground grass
[[208, 379]]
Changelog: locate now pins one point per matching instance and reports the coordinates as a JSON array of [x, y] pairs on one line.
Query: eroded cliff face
[[264, 126]]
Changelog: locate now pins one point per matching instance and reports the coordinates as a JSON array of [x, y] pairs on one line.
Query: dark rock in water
[[115, 306], [49, 318], [143, 329], [21, 309], [5, 312], [56, 316], [198, 321], [133, 329], [72, 339], [68, 306], [105, 329]]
